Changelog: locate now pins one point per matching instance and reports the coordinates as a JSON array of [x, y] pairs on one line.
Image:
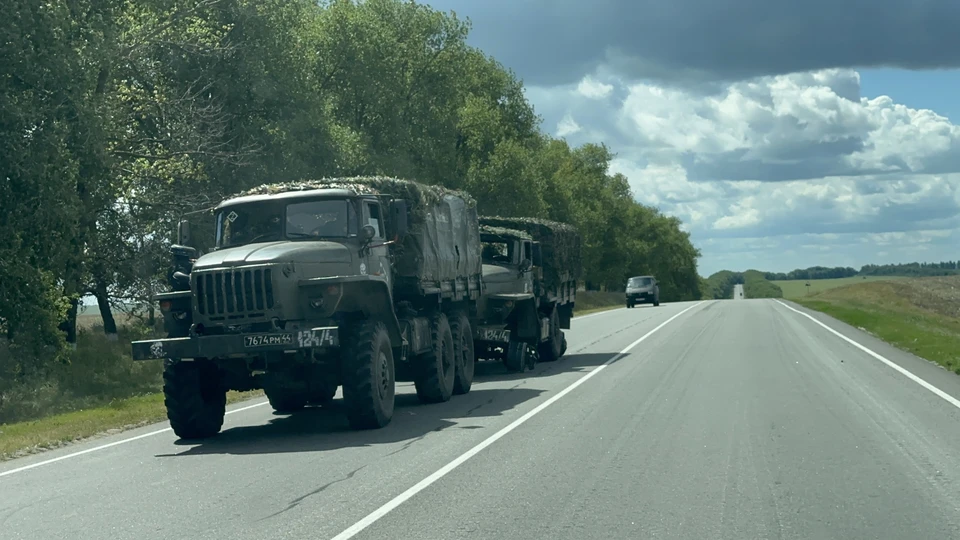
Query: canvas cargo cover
[[443, 239], [560, 245]]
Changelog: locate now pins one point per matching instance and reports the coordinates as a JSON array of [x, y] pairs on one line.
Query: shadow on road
[[490, 370], [318, 429]]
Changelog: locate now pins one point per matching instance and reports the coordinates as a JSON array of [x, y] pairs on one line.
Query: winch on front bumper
[[227, 345]]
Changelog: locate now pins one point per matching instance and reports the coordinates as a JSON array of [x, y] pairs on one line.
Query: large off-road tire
[[369, 377], [552, 349], [437, 369], [463, 347], [515, 358], [195, 398], [286, 401]]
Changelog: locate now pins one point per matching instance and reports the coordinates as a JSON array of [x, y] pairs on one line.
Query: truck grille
[[234, 294]]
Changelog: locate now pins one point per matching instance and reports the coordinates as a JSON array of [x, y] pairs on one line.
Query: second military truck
[[530, 272], [315, 285]]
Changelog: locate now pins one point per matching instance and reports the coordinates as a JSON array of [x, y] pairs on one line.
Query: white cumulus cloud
[[803, 164]]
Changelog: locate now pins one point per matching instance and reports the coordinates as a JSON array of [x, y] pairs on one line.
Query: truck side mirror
[[183, 233], [367, 232], [525, 265], [398, 215], [536, 254]]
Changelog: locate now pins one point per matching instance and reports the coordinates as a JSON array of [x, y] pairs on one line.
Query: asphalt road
[[731, 420], [738, 292]]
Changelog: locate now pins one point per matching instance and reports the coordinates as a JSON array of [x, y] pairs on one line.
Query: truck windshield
[[497, 251], [272, 221], [639, 282]]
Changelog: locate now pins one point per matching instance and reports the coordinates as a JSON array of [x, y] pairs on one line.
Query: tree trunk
[[106, 313], [69, 326]]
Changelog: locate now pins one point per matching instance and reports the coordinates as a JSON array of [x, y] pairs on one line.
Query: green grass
[[919, 315], [34, 436], [594, 301], [796, 288]]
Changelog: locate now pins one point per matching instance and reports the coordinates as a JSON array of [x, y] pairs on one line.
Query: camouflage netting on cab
[[560, 244], [419, 197], [442, 241], [504, 232]]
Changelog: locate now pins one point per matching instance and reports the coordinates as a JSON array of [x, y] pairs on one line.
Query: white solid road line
[[940, 393], [109, 445], [159, 431], [374, 516]]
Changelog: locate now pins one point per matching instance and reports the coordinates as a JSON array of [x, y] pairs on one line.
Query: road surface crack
[[296, 502], [408, 444]]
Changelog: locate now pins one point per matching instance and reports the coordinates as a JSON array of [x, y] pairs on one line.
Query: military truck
[[530, 272], [315, 285]]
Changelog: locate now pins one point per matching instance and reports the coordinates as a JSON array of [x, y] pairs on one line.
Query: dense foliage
[[916, 269], [118, 118], [755, 285], [814, 272], [720, 285]]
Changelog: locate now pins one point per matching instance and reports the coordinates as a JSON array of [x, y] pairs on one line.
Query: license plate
[[266, 340], [496, 335]]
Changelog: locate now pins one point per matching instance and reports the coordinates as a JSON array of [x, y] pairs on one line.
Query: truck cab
[[282, 263], [510, 262]]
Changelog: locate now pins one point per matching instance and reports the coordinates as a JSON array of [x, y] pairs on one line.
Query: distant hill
[[755, 285]]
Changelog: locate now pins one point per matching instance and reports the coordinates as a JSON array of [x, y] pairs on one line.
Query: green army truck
[[530, 272], [352, 283]]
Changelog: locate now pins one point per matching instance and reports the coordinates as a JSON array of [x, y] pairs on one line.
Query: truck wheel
[[515, 359], [285, 401], [195, 398], [466, 361], [369, 377], [437, 369], [551, 350]]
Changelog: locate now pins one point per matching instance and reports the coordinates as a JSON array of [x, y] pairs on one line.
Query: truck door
[[526, 254], [379, 258]]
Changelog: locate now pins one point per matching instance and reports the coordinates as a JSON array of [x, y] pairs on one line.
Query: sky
[[784, 134]]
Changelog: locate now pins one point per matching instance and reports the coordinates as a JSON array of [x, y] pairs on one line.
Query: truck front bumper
[[227, 345]]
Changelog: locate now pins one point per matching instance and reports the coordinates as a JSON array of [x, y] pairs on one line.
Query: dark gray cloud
[[555, 42]]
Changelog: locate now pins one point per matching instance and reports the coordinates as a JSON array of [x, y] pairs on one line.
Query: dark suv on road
[[642, 290]]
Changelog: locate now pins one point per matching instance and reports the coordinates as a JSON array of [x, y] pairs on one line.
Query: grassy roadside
[[918, 315], [24, 438], [28, 437], [797, 288], [596, 301]]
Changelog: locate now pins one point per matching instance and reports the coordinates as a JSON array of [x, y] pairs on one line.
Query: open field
[[796, 288], [919, 315]]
